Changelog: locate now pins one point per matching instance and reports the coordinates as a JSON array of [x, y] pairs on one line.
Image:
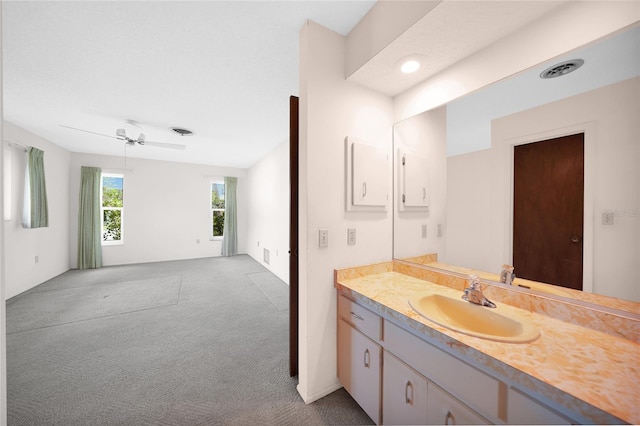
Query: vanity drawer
[[523, 410], [478, 390], [361, 318]]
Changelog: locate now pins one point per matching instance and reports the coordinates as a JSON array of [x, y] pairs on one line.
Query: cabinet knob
[[367, 358]]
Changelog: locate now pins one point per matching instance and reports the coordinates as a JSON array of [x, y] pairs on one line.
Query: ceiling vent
[[561, 69], [181, 131]]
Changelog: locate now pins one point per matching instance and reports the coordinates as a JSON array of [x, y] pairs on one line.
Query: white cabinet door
[[359, 360], [404, 394], [370, 176], [415, 181], [443, 409]]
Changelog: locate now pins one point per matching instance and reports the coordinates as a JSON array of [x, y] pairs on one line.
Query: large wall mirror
[[470, 145]]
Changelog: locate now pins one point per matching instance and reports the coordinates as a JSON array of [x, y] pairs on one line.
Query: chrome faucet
[[507, 275], [473, 293]]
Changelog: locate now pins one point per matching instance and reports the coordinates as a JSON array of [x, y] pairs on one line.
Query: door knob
[[575, 239]]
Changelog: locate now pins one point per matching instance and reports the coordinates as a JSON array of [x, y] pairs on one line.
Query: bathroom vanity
[[405, 369]]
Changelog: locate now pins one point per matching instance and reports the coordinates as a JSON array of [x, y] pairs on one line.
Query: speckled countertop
[[594, 374]]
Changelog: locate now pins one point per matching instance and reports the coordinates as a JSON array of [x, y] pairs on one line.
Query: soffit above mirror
[[446, 34]]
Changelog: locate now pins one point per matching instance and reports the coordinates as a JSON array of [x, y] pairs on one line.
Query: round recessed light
[[410, 66]]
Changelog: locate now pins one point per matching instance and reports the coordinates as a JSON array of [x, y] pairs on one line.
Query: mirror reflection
[[490, 177]]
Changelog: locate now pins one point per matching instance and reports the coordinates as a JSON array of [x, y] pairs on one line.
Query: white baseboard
[[308, 399]]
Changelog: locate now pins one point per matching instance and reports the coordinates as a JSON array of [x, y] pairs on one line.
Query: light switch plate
[[324, 238], [351, 236]]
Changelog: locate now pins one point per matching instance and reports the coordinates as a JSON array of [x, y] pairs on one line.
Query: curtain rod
[[16, 145]]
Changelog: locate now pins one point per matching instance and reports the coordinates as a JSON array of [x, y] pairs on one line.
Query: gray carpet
[[195, 342]]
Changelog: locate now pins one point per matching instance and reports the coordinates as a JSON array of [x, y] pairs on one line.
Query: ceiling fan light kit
[[121, 134]]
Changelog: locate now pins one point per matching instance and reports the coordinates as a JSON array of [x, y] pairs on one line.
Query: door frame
[[589, 130]]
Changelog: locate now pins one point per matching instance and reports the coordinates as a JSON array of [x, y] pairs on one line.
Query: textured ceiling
[[223, 69]]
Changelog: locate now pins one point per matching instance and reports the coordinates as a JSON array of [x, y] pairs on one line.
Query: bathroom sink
[[475, 320]]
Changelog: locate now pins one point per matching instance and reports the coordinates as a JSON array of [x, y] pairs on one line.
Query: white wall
[[49, 244], [424, 134], [268, 201], [166, 209], [332, 108], [479, 236]]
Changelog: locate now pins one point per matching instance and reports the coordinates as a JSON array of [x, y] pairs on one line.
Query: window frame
[[212, 237], [102, 210]]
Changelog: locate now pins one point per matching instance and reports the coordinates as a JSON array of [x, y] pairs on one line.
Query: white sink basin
[[475, 320]]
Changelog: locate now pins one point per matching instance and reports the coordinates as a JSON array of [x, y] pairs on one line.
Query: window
[[112, 205], [217, 209]]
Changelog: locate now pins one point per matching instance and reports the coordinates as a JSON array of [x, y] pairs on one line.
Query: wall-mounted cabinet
[[413, 181], [368, 176]]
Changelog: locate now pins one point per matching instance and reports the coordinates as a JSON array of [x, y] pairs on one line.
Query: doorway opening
[[548, 210]]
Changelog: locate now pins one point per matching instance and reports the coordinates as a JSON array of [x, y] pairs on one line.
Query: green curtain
[[89, 232], [36, 210], [230, 232]]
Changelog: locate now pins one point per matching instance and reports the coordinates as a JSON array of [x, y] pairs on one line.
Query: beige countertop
[[592, 373]]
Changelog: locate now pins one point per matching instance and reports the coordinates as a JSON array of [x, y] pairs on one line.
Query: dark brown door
[[293, 236], [548, 211]]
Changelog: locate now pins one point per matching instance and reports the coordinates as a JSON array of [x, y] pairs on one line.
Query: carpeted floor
[[194, 342]]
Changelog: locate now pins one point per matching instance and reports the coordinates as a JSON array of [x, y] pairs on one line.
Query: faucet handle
[[507, 275], [474, 282]]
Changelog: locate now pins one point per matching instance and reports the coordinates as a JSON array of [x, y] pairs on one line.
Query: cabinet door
[[359, 368], [443, 409], [370, 176], [404, 394], [415, 181]]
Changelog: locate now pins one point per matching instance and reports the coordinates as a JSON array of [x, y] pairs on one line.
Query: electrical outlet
[[607, 218], [351, 236], [324, 238], [424, 231], [198, 241], [439, 230]]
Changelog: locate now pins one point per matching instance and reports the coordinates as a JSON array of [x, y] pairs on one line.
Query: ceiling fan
[[121, 134]]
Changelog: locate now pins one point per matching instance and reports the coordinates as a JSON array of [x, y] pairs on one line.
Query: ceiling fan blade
[[164, 145], [88, 131]]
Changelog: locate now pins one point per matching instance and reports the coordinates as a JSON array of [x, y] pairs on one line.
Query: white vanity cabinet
[[400, 378], [360, 357], [404, 393]]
